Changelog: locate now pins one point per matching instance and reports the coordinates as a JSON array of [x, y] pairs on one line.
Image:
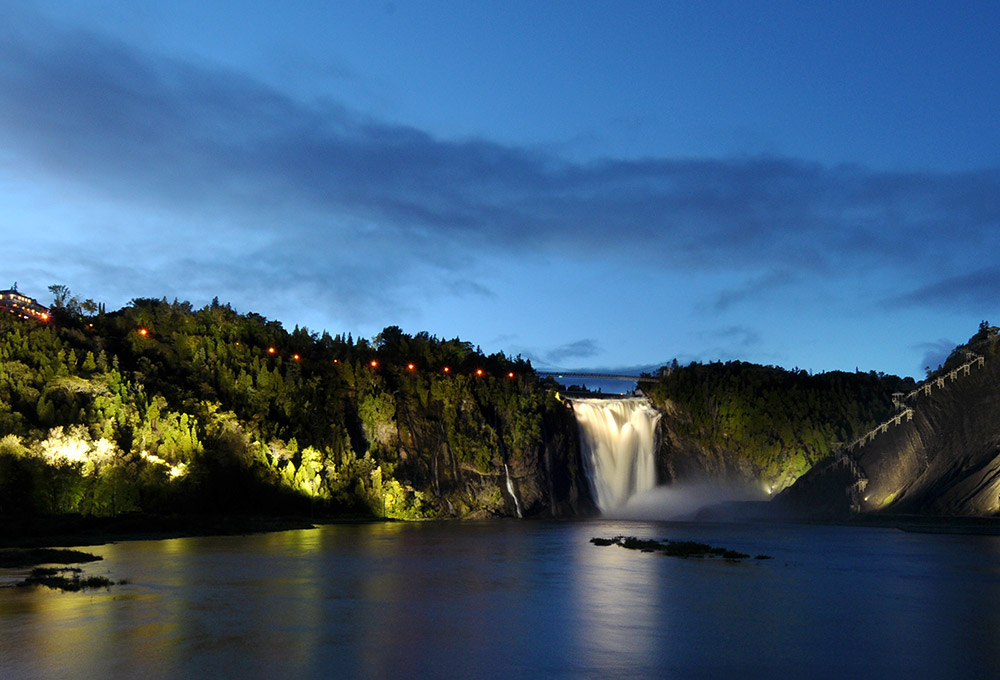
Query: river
[[515, 599]]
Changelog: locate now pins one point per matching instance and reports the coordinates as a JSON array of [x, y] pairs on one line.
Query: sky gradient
[[595, 185]]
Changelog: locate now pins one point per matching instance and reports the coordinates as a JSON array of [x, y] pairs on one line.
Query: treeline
[[159, 407], [782, 421], [985, 342]]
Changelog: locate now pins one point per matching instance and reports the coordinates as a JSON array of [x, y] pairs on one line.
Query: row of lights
[[413, 367], [374, 364], [271, 350]]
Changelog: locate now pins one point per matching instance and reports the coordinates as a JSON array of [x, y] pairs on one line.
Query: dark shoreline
[[62, 531], [971, 526], [75, 530], [762, 512]]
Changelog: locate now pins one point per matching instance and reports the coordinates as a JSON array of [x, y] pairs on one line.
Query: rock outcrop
[[683, 459], [939, 456]]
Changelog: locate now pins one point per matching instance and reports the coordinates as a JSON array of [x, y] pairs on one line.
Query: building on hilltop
[[25, 307]]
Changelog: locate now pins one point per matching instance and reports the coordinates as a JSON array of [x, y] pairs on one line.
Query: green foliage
[[781, 421], [158, 406]]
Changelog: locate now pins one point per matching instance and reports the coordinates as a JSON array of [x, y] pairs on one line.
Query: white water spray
[[617, 438], [510, 488]]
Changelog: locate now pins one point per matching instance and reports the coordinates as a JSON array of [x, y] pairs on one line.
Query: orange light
[[510, 375], [143, 332], [45, 317], [271, 350], [410, 366], [479, 371], [446, 369], [336, 361], [374, 363], [295, 356]]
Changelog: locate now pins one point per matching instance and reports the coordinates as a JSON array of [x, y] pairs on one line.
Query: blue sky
[[588, 184]]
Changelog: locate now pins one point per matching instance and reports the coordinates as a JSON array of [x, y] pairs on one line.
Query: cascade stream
[[513, 492], [617, 438]]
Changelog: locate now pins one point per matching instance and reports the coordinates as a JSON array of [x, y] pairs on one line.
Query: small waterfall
[[510, 488], [617, 437]]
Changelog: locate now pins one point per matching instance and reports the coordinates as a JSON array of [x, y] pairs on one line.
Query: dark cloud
[[934, 353], [735, 336], [726, 343], [468, 287], [754, 288], [580, 349], [360, 203], [974, 291]]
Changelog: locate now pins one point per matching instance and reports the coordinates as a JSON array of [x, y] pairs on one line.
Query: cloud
[[754, 288], [735, 336], [974, 291], [292, 190], [580, 349], [725, 343], [934, 353]]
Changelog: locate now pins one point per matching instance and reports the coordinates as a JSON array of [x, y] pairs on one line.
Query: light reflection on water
[[529, 599]]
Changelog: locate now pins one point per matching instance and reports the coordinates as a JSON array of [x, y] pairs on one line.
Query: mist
[[683, 501]]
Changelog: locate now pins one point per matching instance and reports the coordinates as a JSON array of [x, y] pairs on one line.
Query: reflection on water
[[616, 599], [519, 599]]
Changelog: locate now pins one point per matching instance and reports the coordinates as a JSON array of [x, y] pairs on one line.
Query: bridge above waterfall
[[597, 384], [598, 376]]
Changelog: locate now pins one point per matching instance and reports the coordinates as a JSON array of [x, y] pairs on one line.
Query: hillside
[[159, 407], [940, 455], [745, 424]]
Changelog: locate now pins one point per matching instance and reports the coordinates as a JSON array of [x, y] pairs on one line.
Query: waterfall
[[510, 488], [617, 437]]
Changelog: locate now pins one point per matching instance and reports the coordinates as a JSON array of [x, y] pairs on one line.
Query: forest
[[162, 408], [781, 421], [159, 407]]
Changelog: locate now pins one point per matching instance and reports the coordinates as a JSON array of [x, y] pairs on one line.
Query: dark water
[[520, 600]]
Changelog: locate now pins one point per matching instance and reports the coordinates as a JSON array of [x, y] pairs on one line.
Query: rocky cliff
[[160, 408], [737, 423], [939, 455], [681, 458], [542, 477]]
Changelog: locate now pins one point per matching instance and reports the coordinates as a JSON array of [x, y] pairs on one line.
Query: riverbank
[[984, 526], [764, 512], [76, 530]]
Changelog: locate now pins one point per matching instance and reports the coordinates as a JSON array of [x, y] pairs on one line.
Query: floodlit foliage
[[782, 421], [160, 407]]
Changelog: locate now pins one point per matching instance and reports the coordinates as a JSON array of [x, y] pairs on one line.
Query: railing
[[879, 429], [924, 388], [952, 376], [601, 376]]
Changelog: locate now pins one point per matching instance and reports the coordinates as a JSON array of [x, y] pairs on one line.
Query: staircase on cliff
[[940, 453]]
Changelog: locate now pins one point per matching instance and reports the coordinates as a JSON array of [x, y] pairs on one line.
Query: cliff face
[[542, 479], [161, 408], [737, 422], [683, 459], [946, 460], [940, 457]]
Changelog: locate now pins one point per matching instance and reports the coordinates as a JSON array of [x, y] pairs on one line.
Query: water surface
[[519, 599]]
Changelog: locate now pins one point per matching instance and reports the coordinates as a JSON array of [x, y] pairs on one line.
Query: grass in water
[[67, 579], [670, 548]]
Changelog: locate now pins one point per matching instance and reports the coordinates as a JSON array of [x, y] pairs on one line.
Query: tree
[[60, 294]]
